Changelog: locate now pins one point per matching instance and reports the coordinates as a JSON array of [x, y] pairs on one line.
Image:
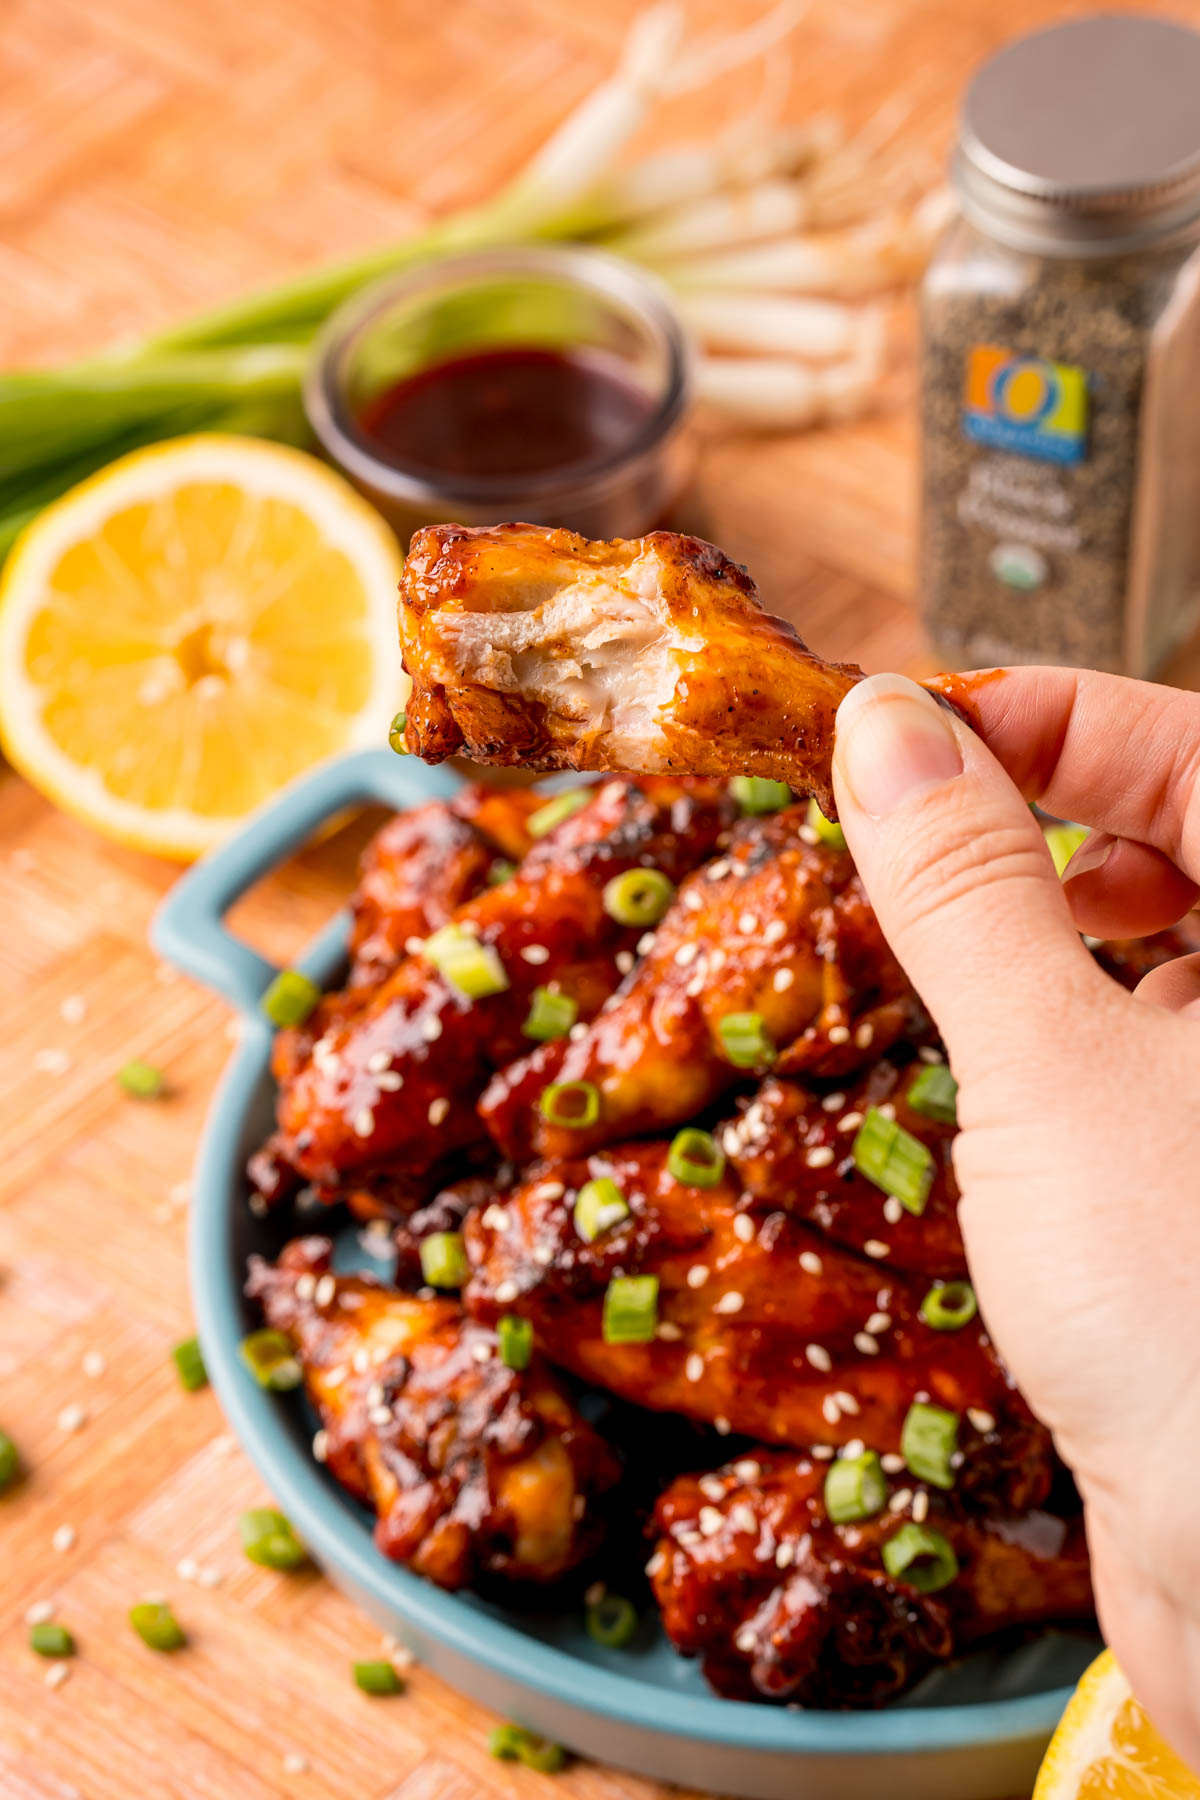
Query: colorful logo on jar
[[1020, 403]]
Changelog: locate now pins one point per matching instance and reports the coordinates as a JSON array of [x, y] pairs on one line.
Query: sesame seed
[[73, 1010], [378, 1061], [830, 1410], [847, 1402], [624, 961], [900, 1500], [876, 1247], [687, 954], [548, 1191], [375, 1394], [810, 1262], [732, 1302], [854, 1448], [335, 1376], [51, 1062], [712, 1487], [833, 1103], [692, 899], [536, 954], [593, 1595], [878, 1321], [94, 1364], [580, 1031], [957, 1459], [693, 1368], [380, 1415], [320, 1445], [819, 1357], [542, 1255], [294, 1763], [775, 932], [747, 1469], [864, 1034], [40, 1613], [782, 980], [578, 1506], [717, 870], [645, 943], [389, 1082], [785, 1556], [748, 924], [920, 1506], [893, 1212], [741, 1517], [698, 1274], [258, 1206], [981, 1420], [431, 1028], [886, 1111], [326, 1290], [414, 945], [400, 1654], [306, 1285], [819, 1157], [746, 1639], [668, 1331], [657, 1564], [709, 1521], [890, 1463], [849, 1121], [72, 1418], [63, 1539], [364, 1122], [721, 1425], [743, 1228], [495, 1218], [865, 1344], [506, 1291], [55, 1676], [928, 1054], [481, 1353], [695, 986], [438, 1109]]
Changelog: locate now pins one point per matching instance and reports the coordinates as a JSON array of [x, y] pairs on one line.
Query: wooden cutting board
[[156, 155]]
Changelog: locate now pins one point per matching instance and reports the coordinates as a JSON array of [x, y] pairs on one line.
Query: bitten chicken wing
[[777, 929], [782, 1604], [389, 1087], [763, 1326], [791, 1148], [536, 647], [473, 1468]]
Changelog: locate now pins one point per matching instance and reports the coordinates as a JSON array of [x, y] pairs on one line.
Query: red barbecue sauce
[[505, 412]]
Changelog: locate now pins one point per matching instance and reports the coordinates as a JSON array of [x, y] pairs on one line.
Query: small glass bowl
[[575, 300]]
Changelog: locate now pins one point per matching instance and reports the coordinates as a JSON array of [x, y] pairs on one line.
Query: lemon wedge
[[1105, 1747], [190, 628]]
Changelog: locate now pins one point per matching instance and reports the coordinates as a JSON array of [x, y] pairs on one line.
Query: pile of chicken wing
[[628, 1083]]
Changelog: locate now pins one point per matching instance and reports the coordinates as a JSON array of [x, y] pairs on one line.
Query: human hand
[[1079, 1103]]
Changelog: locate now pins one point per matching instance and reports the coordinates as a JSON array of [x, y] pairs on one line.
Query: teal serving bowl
[[975, 1731]]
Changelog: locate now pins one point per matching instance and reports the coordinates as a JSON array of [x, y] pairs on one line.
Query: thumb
[[959, 875]]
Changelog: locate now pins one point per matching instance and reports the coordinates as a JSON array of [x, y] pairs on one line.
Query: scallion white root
[[818, 330], [778, 394]]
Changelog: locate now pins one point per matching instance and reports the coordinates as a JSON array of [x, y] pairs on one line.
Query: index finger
[[1120, 756]]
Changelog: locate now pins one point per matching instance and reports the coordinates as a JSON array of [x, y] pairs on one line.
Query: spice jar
[[1060, 356]]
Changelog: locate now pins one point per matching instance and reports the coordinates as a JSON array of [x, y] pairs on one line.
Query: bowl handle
[[189, 927]]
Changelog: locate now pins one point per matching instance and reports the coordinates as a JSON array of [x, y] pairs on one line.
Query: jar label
[[1026, 405]]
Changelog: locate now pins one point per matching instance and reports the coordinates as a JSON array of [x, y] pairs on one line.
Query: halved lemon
[[188, 629], [1105, 1747]]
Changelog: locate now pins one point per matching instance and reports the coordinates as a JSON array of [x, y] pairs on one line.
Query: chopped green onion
[[10, 1461], [157, 1625], [377, 1678], [51, 1640], [756, 795], [270, 1358], [894, 1160], [573, 1104], [141, 1080], [630, 1309], [512, 1743], [745, 1041], [396, 734], [928, 1441], [444, 1260], [855, 1488], [189, 1365], [269, 1540], [638, 897], [921, 1557], [516, 1341], [599, 1206], [826, 830], [1063, 841], [501, 871], [696, 1158], [935, 1094], [550, 1015], [290, 998], [949, 1305], [473, 968], [612, 1621], [563, 806]]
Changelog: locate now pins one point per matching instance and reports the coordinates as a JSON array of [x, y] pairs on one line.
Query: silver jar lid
[[1084, 140]]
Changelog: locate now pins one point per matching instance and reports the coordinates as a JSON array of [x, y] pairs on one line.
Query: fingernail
[[892, 739], [1092, 854]]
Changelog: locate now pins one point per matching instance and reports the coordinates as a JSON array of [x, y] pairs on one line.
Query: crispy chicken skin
[[779, 926], [782, 1604], [390, 1085], [764, 1326], [790, 1146], [472, 1468], [535, 647]]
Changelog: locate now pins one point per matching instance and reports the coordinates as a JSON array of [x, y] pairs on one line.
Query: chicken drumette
[[782, 1604], [536, 647], [473, 1468]]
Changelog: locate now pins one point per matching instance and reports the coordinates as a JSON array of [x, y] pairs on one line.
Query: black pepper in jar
[[1060, 351]]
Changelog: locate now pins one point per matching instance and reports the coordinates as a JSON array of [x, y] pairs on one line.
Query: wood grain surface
[[156, 155]]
